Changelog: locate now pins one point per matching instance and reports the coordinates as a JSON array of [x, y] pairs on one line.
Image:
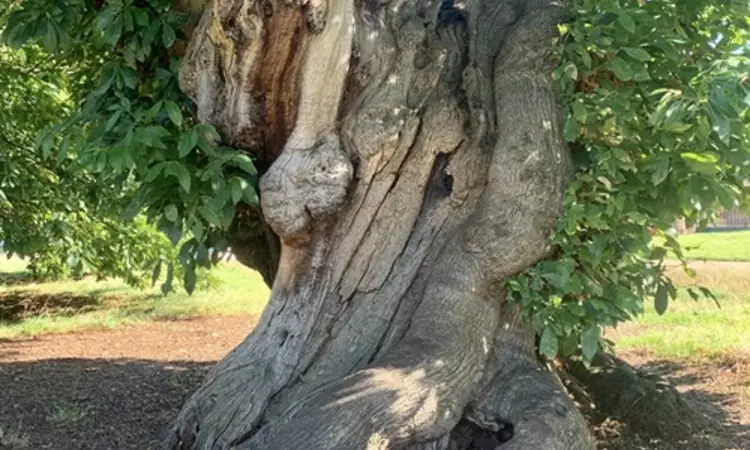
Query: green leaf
[[704, 163], [603, 180], [201, 256], [637, 53], [238, 187], [105, 17], [571, 71], [250, 196], [179, 171], [152, 136], [245, 163], [570, 344], [171, 213], [622, 69], [188, 141], [197, 229], [167, 35], [579, 111], [661, 170], [189, 280], [174, 113], [548, 343], [626, 22], [113, 32], [661, 299], [590, 342], [210, 215], [166, 287], [50, 38]]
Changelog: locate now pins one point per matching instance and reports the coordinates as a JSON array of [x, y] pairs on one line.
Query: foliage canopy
[[655, 98]]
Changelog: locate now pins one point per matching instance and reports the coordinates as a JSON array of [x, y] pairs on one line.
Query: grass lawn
[[691, 330], [718, 245], [27, 309]]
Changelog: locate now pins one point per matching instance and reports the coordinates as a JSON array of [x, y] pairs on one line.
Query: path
[[109, 389]]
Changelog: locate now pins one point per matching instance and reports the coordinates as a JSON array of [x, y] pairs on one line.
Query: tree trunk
[[417, 163]]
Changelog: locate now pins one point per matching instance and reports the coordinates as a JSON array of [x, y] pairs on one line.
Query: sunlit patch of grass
[[34, 308], [696, 329], [718, 245]]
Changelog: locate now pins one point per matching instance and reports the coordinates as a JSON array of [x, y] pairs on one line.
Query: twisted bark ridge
[[417, 165]]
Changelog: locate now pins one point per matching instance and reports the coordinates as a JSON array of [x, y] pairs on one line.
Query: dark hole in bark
[[448, 183], [441, 182], [473, 437], [267, 8], [448, 14], [283, 336], [505, 433]]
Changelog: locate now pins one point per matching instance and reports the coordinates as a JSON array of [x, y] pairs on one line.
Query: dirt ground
[[117, 389]]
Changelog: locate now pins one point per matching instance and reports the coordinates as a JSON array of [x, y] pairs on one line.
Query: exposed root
[[647, 403]]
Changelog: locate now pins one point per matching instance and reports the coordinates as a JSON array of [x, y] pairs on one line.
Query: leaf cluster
[[656, 102]]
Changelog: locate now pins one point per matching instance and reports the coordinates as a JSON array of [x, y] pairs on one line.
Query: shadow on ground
[[81, 404], [710, 388], [15, 306], [16, 278]]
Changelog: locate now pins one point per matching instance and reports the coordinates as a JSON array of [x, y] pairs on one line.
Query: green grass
[[691, 330], [28, 309], [718, 246]]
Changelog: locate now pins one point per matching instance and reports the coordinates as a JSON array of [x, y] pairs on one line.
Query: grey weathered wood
[[417, 165]]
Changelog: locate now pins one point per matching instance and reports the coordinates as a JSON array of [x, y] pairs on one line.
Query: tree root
[[647, 403]]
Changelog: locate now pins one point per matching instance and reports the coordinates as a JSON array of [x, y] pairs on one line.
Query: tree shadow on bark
[[78, 404]]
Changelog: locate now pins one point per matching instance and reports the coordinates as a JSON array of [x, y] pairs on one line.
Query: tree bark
[[417, 165]]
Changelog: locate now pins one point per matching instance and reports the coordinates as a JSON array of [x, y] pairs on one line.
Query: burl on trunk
[[416, 163]]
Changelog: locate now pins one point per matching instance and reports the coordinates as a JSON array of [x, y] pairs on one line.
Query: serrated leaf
[[174, 113], [661, 299], [590, 342], [548, 343], [637, 53], [171, 213]]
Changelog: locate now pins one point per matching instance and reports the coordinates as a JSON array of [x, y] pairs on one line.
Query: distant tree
[[447, 188]]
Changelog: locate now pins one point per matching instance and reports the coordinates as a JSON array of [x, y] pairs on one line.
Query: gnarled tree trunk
[[416, 163]]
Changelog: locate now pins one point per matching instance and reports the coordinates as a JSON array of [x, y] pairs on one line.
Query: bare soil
[[117, 389]]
